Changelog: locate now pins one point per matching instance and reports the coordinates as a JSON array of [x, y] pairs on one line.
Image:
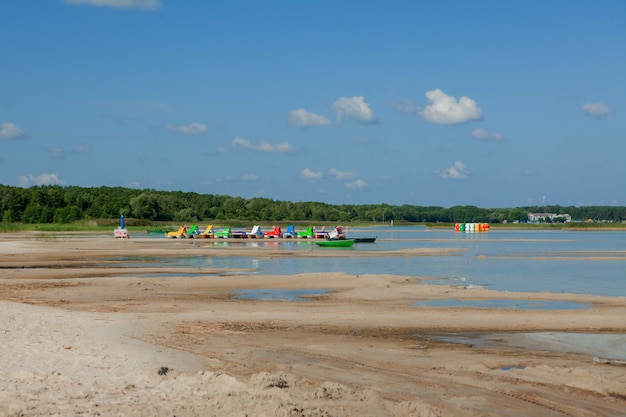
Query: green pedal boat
[[336, 243]]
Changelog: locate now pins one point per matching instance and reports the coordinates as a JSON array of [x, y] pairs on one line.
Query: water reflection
[[268, 294], [591, 262], [506, 303]]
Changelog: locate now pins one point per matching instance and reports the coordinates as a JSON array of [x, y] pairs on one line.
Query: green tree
[[15, 202], [145, 206], [66, 215], [36, 213], [186, 214], [518, 215]]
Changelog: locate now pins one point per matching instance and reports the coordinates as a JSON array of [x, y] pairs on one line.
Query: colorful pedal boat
[[336, 243]]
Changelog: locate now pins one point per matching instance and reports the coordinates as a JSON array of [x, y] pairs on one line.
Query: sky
[[495, 104]]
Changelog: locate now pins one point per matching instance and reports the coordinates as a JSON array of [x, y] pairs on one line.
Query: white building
[[534, 217]]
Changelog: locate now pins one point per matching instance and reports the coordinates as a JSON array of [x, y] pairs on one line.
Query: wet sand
[[84, 334]]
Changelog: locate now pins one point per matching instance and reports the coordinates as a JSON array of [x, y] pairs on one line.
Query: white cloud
[[356, 185], [598, 110], [43, 179], [283, 147], [190, 129], [311, 176], [455, 172], [121, 4], [484, 134], [303, 118], [244, 143], [82, 149], [341, 175], [9, 130], [354, 108], [445, 109], [250, 177]]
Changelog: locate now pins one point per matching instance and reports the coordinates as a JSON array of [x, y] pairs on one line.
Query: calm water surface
[[591, 262]]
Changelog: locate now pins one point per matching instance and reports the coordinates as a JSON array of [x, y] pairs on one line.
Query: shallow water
[[589, 262], [269, 294], [603, 346], [505, 303]]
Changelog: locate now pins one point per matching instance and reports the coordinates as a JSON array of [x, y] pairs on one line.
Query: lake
[[583, 262]]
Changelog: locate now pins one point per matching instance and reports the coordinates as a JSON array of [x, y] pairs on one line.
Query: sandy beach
[[85, 335]]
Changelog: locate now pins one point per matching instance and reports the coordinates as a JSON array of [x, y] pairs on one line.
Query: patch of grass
[[11, 227]]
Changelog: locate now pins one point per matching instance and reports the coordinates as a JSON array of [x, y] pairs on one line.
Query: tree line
[[68, 204]]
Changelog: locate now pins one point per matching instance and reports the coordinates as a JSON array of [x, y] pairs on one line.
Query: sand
[[85, 335]]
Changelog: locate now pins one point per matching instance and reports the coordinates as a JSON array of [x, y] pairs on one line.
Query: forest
[[69, 204]]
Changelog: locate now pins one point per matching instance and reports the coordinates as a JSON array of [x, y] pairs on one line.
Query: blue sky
[[486, 103]]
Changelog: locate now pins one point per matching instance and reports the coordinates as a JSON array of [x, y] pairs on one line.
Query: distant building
[[535, 217]]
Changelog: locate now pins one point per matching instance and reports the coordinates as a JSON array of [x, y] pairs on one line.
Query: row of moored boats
[[334, 237]]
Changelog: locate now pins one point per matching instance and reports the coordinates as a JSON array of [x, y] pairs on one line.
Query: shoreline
[[86, 332]]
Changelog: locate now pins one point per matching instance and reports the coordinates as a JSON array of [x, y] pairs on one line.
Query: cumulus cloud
[[447, 110], [120, 4], [341, 175], [484, 134], [303, 118], [354, 108], [43, 179], [455, 172], [250, 177], [310, 175], [597, 110], [9, 130], [262, 146], [356, 185], [190, 129]]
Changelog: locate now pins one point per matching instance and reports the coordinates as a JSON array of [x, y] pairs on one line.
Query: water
[[278, 294], [589, 262], [583, 262], [506, 303], [612, 346]]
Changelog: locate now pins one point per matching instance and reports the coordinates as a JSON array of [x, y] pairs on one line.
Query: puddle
[[509, 368], [505, 303], [278, 295], [609, 346]]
